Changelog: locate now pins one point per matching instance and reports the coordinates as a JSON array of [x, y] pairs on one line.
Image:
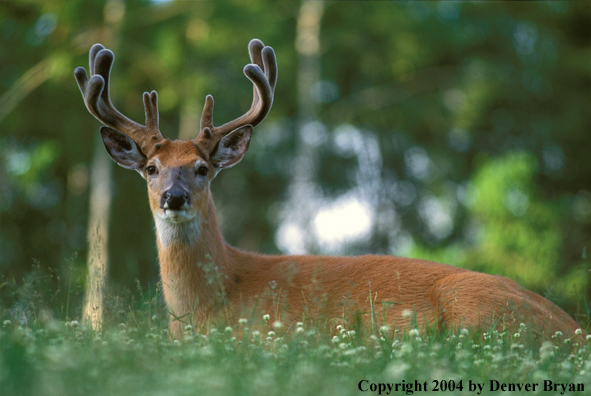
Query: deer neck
[[195, 263]]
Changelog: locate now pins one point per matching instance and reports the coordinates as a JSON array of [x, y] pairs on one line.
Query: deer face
[[178, 173]]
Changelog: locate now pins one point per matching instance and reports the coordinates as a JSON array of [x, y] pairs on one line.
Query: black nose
[[174, 199]]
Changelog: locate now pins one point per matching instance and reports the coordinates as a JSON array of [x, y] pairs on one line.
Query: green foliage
[[515, 221], [515, 232]]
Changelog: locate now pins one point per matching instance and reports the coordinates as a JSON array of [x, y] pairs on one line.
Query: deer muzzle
[[175, 199]]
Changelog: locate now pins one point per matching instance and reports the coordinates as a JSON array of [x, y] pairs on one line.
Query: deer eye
[[151, 170], [202, 171]]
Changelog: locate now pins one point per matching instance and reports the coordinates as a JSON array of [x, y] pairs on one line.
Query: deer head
[[178, 173]]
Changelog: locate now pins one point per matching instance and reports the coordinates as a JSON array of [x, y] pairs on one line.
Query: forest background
[[450, 131]]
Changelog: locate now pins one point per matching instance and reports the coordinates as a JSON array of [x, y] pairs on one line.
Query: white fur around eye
[[201, 164]]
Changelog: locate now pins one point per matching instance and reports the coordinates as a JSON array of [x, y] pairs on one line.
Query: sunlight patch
[[290, 238], [344, 220]]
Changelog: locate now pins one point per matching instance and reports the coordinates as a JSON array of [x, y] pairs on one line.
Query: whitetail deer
[[207, 279]]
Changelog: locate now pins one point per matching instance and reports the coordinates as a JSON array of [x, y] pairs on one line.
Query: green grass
[[52, 357], [133, 354]]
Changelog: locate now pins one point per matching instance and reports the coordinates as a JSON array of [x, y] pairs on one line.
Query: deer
[[207, 280]]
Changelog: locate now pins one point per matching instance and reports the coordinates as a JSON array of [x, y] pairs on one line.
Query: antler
[[96, 97], [263, 74]]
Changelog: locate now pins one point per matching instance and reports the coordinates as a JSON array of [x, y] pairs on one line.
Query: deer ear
[[232, 147], [123, 149]]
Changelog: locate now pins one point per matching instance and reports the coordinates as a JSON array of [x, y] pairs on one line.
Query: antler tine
[[97, 99], [263, 57], [255, 48], [262, 72]]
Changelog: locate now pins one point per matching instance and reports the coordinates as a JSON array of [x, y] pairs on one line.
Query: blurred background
[[452, 131]]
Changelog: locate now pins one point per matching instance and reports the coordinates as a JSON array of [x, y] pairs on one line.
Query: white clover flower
[[351, 333], [74, 323], [516, 335], [266, 317], [7, 323], [406, 313], [256, 334], [339, 328], [546, 350], [384, 329], [335, 340], [464, 332], [299, 330], [567, 340], [188, 328], [242, 321], [228, 329], [413, 332], [588, 337], [271, 334], [278, 325], [578, 331], [300, 324]]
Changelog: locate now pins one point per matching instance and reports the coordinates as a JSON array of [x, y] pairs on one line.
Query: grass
[[133, 355], [52, 357]]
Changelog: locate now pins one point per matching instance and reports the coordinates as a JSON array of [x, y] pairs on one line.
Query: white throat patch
[[184, 232]]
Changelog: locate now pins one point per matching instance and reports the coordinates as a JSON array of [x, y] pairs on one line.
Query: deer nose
[[174, 199]]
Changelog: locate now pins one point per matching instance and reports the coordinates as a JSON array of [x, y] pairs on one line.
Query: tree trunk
[[301, 190], [101, 192], [98, 233]]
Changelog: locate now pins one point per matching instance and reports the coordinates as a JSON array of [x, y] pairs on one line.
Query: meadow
[[134, 355]]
